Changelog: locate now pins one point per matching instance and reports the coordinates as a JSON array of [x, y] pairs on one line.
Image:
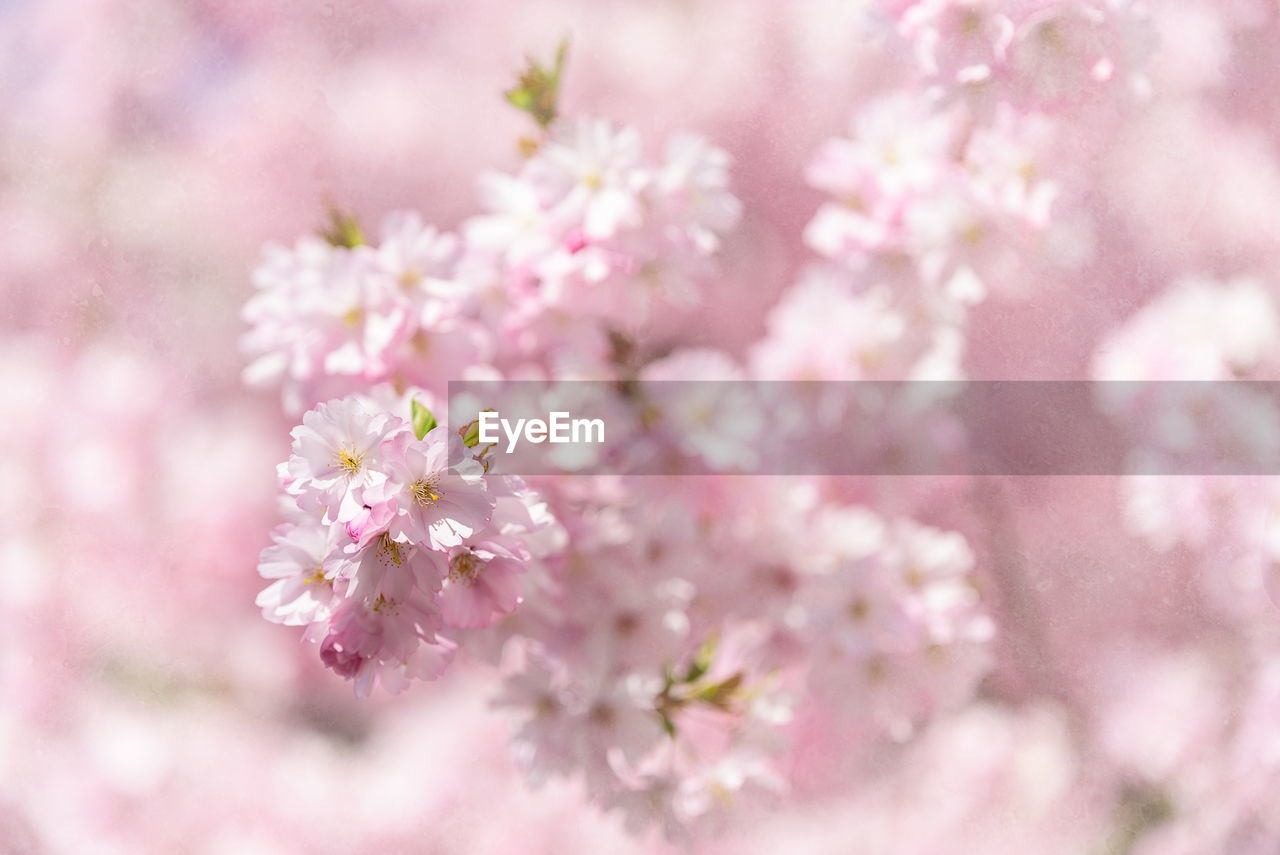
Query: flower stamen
[[464, 568], [388, 550], [427, 490], [347, 458]]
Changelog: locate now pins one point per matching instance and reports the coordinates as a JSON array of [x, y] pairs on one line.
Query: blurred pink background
[[150, 148]]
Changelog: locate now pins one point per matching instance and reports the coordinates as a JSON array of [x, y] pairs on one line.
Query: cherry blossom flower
[[482, 581], [303, 560], [437, 488], [336, 457]]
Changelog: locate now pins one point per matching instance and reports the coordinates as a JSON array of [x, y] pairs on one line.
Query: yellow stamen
[[347, 458], [388, 550], [427, 490]]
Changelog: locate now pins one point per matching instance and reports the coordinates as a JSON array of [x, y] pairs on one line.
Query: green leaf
[[423, 420], [538, 90], [343, 230]]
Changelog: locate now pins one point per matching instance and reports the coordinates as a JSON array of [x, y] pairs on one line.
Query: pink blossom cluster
[[392, 542], [1032, 52], [589, 228], [589, 239], [1226, 331], [955, 184], [633, 660], [670, 682], [333, 319], [935, 206]]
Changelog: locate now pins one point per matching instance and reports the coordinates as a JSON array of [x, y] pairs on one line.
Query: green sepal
[[423, 420], [701, 660], [472, 437], [719, 694]]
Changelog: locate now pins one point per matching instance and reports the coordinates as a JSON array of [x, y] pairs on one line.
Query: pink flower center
[[464, 568]]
